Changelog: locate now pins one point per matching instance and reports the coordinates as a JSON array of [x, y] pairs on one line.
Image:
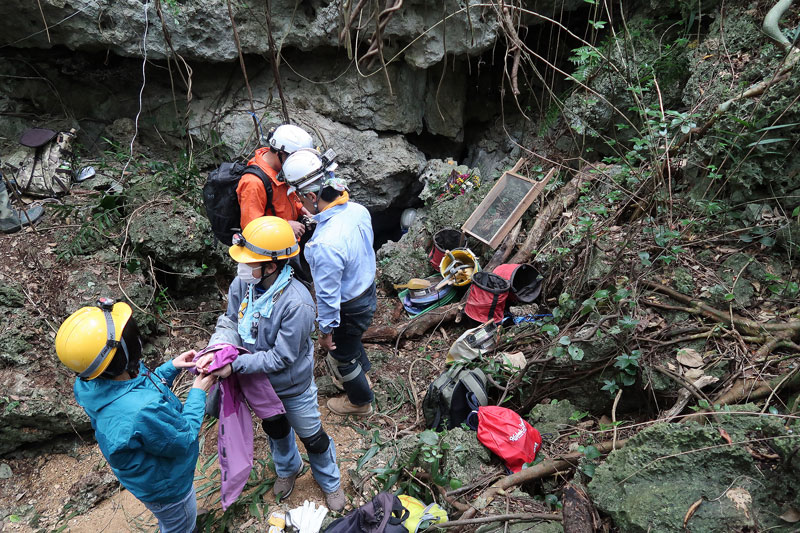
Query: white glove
[[306, 518], [316, 516]]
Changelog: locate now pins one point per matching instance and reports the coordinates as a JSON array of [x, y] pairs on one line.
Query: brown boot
[[284, 486], [342, 406], [335, 500]]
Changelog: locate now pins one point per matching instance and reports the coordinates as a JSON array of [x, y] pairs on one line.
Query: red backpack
[[509, 436]]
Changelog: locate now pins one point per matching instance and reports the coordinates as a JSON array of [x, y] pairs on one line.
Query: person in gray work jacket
[[272, 315]]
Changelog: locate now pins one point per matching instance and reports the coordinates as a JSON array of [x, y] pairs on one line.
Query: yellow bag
[[421, 516]]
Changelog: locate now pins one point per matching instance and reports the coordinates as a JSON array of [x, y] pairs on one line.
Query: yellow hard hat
[[459, 264], [88, 339], [264, 239]]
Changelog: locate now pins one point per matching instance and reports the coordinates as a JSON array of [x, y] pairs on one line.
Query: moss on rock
[[650, 484]]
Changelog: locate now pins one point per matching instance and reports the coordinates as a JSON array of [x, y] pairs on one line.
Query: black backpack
[[384, 514], [221, 201], [453, 396]]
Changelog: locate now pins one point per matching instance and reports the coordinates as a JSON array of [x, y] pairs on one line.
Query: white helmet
[[289, 138], [305, 169]]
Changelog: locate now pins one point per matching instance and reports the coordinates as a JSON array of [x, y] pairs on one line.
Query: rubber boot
[[12, 220]]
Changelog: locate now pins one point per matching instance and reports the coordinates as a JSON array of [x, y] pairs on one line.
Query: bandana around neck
[[261, 306]]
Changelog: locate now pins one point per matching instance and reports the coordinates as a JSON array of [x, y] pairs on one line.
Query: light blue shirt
[[341, 258]]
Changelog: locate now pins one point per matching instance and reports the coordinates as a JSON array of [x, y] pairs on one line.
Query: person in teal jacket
[[148, 437]]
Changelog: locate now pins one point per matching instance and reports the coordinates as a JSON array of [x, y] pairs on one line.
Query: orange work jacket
[[253, 197]]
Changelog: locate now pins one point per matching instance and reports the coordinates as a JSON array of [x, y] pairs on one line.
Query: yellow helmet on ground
[[459, 264], [88, 339], [264, 239]]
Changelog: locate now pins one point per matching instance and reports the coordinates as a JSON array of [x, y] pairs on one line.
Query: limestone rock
[[381, 169], [650, 484], [91, 489], [407, 258], [551, 417]]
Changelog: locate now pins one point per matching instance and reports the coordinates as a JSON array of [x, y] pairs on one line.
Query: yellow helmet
[[88, 339], [459, 264], [264, 239]]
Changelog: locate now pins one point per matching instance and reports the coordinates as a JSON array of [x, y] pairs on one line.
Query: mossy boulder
[[179, 241], [651, 483], [551, 417]]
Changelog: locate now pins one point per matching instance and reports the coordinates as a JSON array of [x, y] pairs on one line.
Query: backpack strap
[[474, 382], [258, 171]]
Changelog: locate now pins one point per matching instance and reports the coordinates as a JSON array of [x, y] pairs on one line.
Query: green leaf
[[591, 452], [587, 306], [729, 297], [575, 353], [429, 437], [455, 484], [551, 329], [645, 258], [367, 456], [627, 379], [565, 341], [628, 322], [601, 294], [767, 141], [796, 211], [13, 518], [589, 469]]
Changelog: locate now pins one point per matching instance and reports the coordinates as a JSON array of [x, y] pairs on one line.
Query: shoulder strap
[[474, 382], [258, 171]]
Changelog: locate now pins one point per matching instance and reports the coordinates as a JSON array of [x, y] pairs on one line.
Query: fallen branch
[[498, 518], [545, 218], [537, 471], [578, 511], [415, 327], [750, 389]]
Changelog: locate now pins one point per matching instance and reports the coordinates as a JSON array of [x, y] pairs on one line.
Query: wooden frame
[[494, 200]]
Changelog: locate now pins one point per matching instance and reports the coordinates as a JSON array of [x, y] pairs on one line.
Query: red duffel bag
[[509, 436], [487, 297], [526, 281], [444, 240]]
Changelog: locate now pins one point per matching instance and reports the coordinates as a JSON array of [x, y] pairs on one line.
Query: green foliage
[[628, 369], [429, 456]]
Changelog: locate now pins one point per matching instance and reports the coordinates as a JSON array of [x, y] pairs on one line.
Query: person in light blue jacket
[[342, 263], [148, 437]]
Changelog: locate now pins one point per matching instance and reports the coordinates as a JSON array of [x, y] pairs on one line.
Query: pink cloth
[[235, 437]]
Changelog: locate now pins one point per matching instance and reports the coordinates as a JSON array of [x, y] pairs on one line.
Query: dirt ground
[[42, 480]]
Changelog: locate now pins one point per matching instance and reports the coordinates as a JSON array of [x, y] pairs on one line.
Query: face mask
[[245, 273]]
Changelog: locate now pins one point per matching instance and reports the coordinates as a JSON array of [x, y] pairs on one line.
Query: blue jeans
[[178, 517], [303, 414], [355, 317]]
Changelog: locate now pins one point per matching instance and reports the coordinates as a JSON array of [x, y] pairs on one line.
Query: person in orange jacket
[[282, 142]]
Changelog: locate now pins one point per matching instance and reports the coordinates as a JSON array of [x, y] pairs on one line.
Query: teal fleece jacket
[[148, 437]]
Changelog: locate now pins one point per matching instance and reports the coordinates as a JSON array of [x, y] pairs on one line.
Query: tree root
[[498, 518], [415, 327], [749, 327], [540, 470], [751, 389]]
